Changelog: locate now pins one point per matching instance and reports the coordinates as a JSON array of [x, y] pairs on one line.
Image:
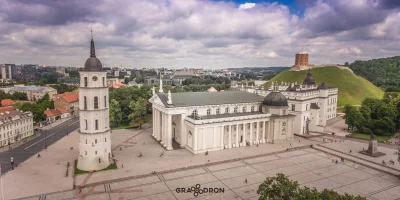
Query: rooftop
[[32, 88], [185, 99], [69, 96]]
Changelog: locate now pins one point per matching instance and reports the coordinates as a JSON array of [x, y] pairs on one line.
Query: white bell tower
[[95, 138]]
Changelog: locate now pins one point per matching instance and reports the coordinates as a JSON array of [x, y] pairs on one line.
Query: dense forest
[[382, 72]]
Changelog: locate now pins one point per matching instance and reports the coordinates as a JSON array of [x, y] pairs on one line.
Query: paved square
[[238, 173]]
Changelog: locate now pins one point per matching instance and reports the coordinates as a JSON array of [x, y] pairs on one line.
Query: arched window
[[235, 110], [96, 124], [283, 131], [85, 81], [105, 139], [84, 103], [96, 103], [194, 113], [85, 124], [105, 101], [283, 123], [95, 141], [104, 81], [244, 109], [209, 111], [252, 108], [217, 111], [227, 110]]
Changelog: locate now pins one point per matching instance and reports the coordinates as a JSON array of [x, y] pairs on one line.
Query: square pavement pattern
[[240, 180]]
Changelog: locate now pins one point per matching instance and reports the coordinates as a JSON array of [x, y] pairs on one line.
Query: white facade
[[95, 138], [202, 128], [307, 102], [15, 126]]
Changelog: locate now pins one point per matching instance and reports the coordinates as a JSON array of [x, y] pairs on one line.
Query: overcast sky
[[197, 33]]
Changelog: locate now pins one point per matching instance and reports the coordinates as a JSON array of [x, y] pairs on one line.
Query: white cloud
[[199, 33], [246, 6]]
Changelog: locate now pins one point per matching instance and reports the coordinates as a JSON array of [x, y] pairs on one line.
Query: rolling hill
[[352, 88]]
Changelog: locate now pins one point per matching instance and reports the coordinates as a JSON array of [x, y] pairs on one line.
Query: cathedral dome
[[275, 99], [92, 63]]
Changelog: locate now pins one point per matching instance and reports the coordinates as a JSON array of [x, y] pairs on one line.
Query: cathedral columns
[[169, 132], [222, 130], [183, 132], [163, 130], [158, 127], [244, 134], [263, 131], [154, 123], [258, 132], [251, 133], [237, 136], [230, 137]]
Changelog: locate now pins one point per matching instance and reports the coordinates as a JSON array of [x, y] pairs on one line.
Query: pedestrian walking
[[245, 180], [122, 165]]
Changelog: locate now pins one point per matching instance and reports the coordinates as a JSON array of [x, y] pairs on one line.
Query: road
[[33, 147]]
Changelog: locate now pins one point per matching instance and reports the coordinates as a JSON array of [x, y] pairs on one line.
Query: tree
[[139, 112], [352, 116], [281, 188], [115, 113]]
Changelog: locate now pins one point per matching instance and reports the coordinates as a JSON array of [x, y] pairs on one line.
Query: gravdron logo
[[196, 190]]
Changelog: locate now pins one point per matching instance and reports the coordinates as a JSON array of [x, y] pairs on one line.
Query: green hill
[[352, 88]]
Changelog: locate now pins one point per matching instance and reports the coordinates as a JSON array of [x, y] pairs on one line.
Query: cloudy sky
[[197, 33]]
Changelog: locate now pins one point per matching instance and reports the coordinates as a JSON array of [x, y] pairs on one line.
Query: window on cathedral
[[105, 139], [84, 103], [105, 101], [227, 110], [284, 112], [99, 160], [85, 152], [95, 153], [194, 113], [244, 109], [209, 111], [96, 124], [283, 123], [252, 108], [95, 141], [283, 131], [260, 108], [86, 141], [235, 110], [85, 124], [217, 111], [96, 103], [85, 81], [306, 106], [293, 107]]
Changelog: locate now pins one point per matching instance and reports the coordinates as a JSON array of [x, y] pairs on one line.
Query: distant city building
[[15, 126], [7, 102], [6, 72], [60, 70], [53, 115], [68, 101], [34, 93]]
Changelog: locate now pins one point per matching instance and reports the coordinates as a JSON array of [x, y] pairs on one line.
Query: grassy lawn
[[367, 136], [133, 125], [78, 171]]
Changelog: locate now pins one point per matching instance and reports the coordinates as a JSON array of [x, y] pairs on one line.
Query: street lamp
[[12, 163]]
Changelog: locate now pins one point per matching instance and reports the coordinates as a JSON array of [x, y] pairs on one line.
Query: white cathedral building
[[94, 131], [210, 121]]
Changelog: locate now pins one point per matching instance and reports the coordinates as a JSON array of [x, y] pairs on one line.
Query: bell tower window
[[96, 103], [84, 103], [85, 81]]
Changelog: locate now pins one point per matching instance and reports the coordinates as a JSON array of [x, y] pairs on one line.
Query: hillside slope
[[352, 88]]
